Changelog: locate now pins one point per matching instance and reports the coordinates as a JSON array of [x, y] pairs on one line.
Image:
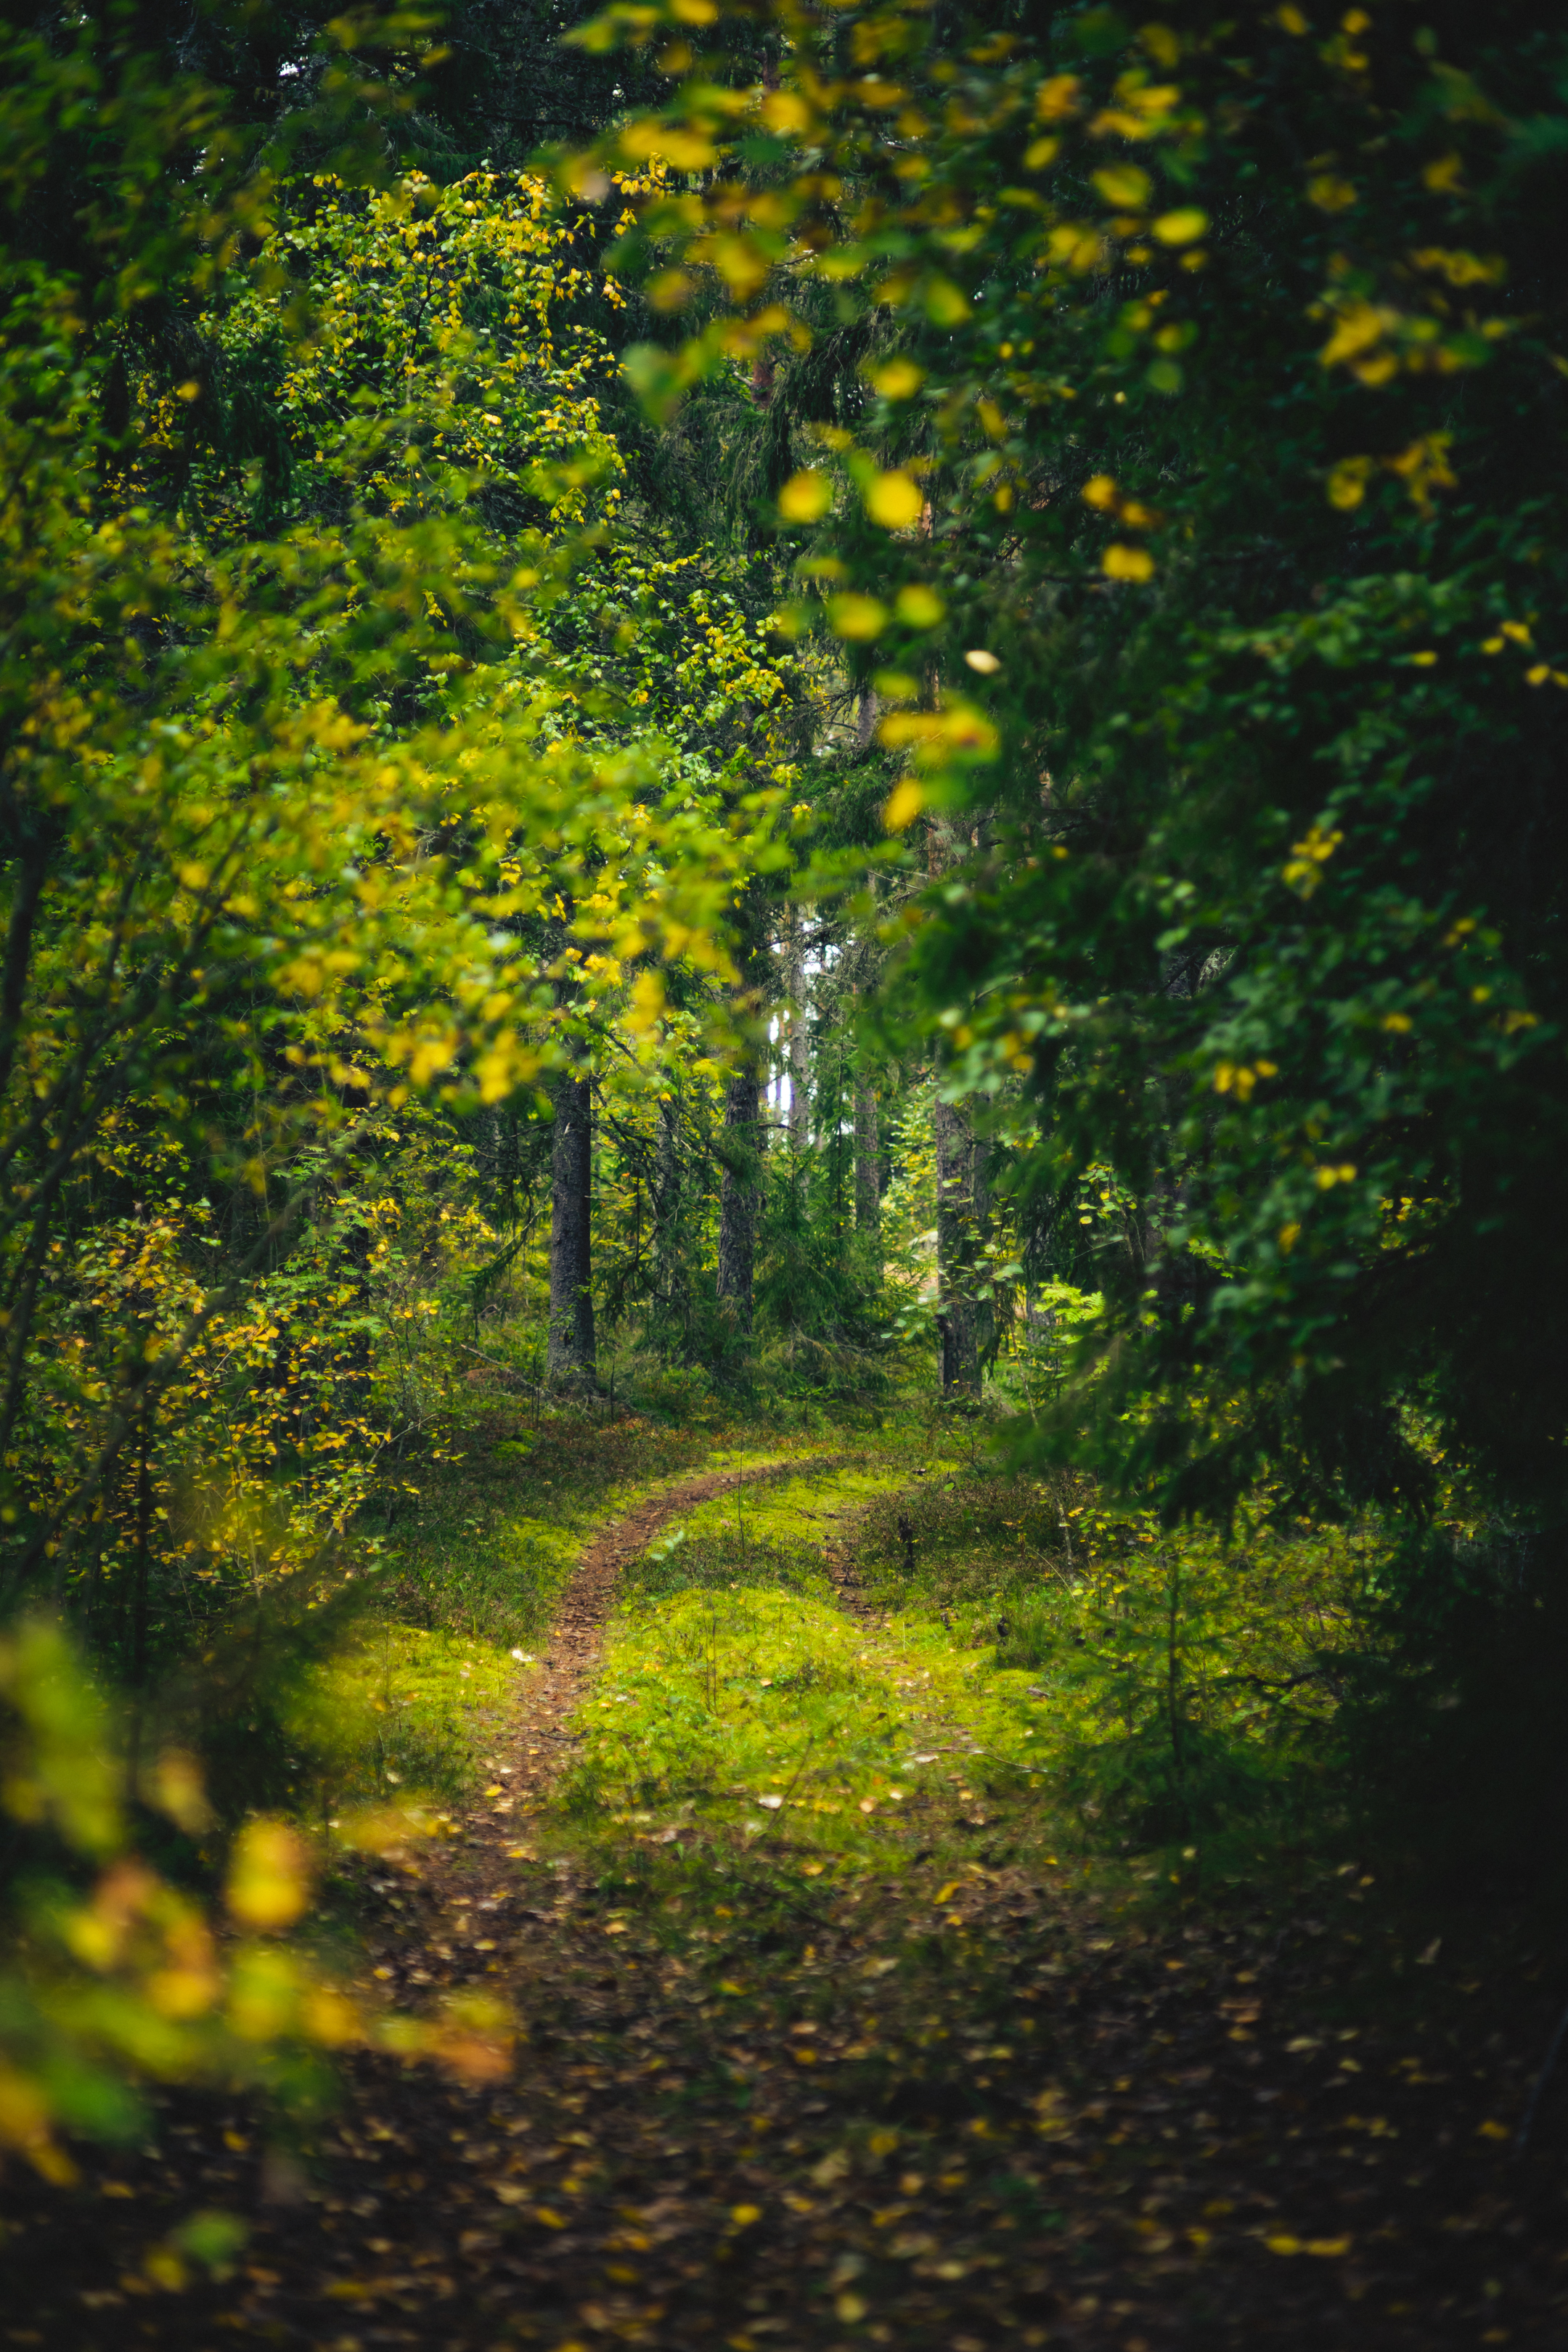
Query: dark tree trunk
[[956, 1240], [738, 1194], [799, 1034], [868, 1164], [570, 1357], [667, 1204]]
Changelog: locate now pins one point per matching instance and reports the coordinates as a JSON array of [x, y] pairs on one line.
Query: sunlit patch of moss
[[739, 1701], [1134, 1686], [413, 1712]]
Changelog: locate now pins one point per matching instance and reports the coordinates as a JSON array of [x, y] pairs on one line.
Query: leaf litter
[[915, 2084]]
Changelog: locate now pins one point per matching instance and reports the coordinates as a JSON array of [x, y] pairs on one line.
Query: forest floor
[[801, 2069]]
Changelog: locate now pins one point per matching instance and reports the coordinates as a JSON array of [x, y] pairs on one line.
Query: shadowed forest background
[[812, 750]]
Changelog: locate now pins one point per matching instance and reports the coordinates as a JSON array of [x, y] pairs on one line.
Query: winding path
[[542, 1742]]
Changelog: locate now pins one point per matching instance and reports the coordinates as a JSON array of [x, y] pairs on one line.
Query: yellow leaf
[[1125, 186], [269, 1880], [1181, 227], [946, 1893], [1057, 98], [1490, 2130], [898, 379], [1120, 563], [1283, 2244], [1347, 482], [858, 618], [918, 607], [743, 2216], [806, 497], [894, 501], [904, 804], [1329, 2247], [946, 305], [784, 111]]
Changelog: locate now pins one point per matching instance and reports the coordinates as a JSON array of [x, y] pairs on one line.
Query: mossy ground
[[742, 1702], [848, 2019], [424, 1685]]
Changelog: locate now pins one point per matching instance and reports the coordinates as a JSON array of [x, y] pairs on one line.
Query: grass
[[424, 1686], [502, 1512], [740, 1702], [1033, 1670], [1017, 1676], [958, 1539], [401, 1710]]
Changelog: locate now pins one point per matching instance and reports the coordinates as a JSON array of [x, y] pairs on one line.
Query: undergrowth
[[503, 1506], [1110, 1685]]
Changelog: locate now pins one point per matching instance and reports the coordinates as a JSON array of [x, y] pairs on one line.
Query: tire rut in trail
[[570, 1656]]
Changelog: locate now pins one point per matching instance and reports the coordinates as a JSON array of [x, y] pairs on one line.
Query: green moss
[[740, 1702], [405, 1712]]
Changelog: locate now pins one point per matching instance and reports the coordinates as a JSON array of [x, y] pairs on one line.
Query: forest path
[[576, 1639], [934, 2099], [572, 1654]]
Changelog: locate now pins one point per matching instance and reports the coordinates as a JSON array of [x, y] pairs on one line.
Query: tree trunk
[[738, 1195], [955, 1319], [667, 1203], [570, 1357], [799, 1033], [868, 1164]]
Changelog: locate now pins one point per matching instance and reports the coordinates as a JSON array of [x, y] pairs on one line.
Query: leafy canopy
[[1201, 522]]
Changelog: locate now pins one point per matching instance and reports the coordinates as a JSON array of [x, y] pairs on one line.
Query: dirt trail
[[812, 2117], [572, 1653], [576, 1639]]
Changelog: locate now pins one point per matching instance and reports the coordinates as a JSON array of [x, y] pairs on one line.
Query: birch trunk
[[667, 1203], [868, 1164], [799, 1033]]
